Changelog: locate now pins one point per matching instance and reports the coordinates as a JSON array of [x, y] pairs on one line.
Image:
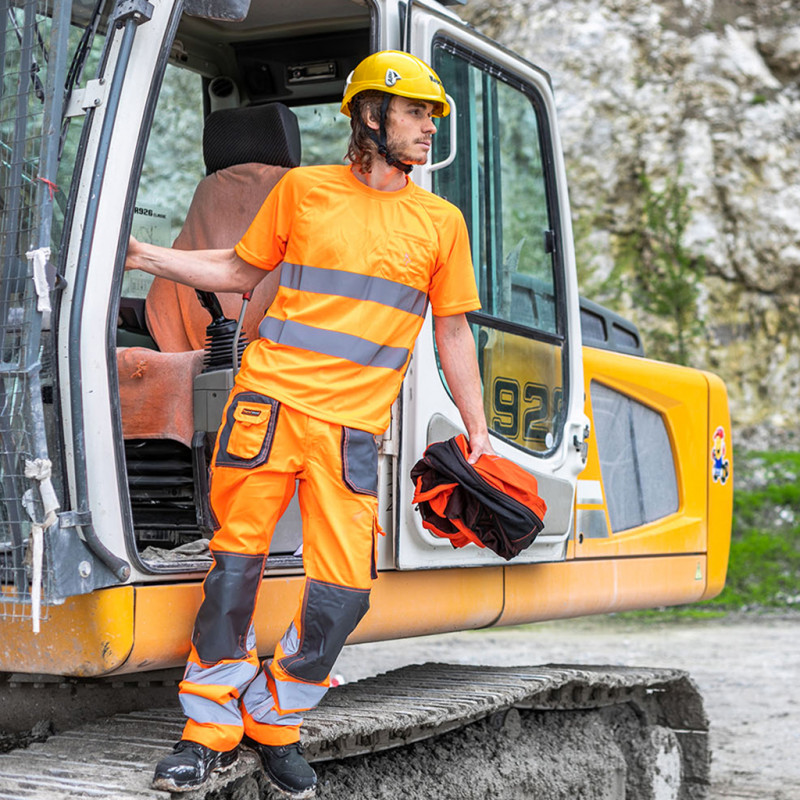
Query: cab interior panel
[[281, 54]]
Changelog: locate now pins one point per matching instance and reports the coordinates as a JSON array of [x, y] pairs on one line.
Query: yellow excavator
[[173, 119]]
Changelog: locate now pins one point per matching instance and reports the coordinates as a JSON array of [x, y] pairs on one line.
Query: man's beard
[[405, 153]]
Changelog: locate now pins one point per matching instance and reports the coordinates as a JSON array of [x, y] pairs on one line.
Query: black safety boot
[[286, 769], [189, 765]]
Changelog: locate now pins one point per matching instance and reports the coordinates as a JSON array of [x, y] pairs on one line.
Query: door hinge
[[138, 10], [93, 95], [74, 519], [581, 442]]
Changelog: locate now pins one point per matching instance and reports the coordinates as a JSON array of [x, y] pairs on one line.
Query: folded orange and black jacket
[[493, 503]]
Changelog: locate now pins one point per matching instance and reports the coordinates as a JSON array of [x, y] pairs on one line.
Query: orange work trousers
[[264, 450]]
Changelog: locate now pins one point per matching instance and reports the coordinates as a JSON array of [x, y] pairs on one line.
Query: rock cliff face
[[704, 94]]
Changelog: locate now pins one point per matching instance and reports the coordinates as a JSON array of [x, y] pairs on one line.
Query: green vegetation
[[667, 277], [764, 566], [656, 279]]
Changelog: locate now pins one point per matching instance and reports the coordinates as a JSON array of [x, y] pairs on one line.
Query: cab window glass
[[636, 462], [173, 166], [499, 179], [324, 132]]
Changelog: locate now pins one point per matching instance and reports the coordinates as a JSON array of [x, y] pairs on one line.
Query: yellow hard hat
[[399, 73]]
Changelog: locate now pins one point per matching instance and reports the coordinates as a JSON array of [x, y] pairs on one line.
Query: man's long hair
[[362, 149]]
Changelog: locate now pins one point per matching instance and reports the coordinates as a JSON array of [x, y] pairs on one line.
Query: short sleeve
[[264, 242], [453, 289]]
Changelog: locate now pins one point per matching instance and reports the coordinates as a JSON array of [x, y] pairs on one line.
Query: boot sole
[[167, 785], [280, 791]]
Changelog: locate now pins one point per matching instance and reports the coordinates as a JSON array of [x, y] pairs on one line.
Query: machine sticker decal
[[720, 465]]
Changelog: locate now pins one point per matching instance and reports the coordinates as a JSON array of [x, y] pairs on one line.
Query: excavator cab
[[172, 384], [176, 122]]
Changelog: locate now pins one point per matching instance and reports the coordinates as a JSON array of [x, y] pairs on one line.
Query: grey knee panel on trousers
[[223, 621], [330, 614]]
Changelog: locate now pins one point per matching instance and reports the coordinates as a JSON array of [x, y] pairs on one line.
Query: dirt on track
[[747, 668]]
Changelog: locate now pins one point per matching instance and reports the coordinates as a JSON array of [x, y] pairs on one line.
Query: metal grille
[[32, 54]]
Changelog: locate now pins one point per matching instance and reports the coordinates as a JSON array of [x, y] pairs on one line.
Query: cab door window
[[501, 179], [173, 166]]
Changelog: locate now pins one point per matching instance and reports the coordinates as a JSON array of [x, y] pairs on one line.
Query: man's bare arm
[[208, 270], [460, 365]]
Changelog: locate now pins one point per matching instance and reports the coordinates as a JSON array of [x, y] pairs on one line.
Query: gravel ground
[[747, 668]]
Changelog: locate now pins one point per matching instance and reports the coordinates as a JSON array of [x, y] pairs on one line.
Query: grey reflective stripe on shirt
[[333, 343], [358, 287]]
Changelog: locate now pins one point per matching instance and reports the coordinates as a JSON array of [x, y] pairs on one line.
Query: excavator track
[[655, 717]]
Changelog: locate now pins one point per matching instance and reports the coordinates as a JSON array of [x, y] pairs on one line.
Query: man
[[363, 250]]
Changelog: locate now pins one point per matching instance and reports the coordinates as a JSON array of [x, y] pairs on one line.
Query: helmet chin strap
[[381, 140]]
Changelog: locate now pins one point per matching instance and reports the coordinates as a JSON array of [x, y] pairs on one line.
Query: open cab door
[[497, 158]]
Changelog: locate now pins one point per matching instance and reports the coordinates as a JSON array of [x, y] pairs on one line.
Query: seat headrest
[[267, 134]]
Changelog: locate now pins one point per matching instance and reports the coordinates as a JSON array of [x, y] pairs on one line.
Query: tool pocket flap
[[246, 437], [252, 413]]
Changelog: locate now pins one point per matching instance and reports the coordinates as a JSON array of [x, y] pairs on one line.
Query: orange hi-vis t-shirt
[[359, 266]]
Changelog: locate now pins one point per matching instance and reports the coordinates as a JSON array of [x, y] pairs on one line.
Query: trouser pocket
[[248, 431], [360, 461]]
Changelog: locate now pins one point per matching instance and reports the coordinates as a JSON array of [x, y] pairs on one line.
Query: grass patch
[[785, 459], [764, 565], [694, 613], [764, 569]]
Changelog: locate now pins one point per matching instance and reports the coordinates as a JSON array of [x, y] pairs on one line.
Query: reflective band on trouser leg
[[210, 699], [211, 706], [260, 715]]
